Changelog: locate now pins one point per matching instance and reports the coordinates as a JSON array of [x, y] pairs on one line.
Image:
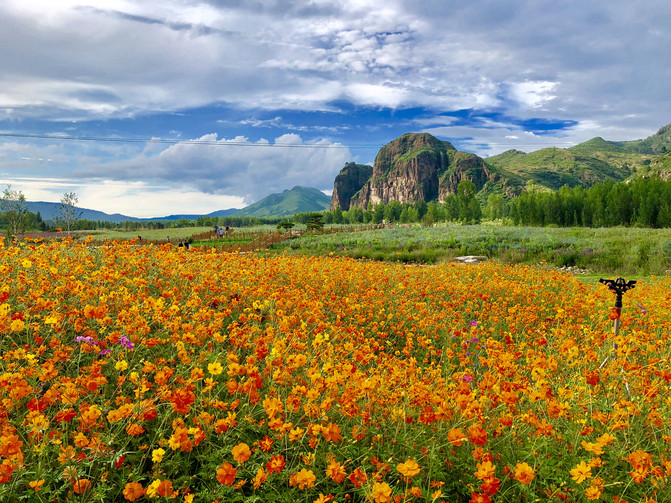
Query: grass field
[[137, 373], [631, 251]]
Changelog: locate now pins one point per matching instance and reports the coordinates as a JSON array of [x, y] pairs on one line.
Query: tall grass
[[604, 250]]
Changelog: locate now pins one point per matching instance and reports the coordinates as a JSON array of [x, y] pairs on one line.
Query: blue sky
[[154, 108]]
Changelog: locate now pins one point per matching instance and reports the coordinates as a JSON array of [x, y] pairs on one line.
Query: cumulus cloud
[[234, 167], [127, 57]]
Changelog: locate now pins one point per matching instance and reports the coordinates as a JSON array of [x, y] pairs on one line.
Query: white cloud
[[533, 94], [236, 166], [135, 199]]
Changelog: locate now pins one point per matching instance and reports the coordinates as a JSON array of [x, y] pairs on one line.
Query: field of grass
[[603, 251], [137, 373]]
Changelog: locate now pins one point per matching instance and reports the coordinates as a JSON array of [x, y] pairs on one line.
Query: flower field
[[138, 373]]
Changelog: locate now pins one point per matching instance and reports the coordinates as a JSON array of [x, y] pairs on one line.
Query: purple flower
[[86, 340], [125, 342], [473, 323], [467, 378], [105, 352]]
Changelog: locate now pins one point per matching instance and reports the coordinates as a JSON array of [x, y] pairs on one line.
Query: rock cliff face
[[415, 166], [348, 182]]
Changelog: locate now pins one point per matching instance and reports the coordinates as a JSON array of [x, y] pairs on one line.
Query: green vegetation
[[298, 199], [596, 160], [617, 250], [644, 202]]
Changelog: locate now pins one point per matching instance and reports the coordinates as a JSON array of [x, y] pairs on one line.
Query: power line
[[172, 141], [216, 143]]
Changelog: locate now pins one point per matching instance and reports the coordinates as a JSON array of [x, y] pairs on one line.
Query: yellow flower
[[17, 325], [27, 264], [581, 472], [215, 368], [157, 455], [121, 365]]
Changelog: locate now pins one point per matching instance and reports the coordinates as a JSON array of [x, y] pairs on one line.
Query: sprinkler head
[[619, 285]]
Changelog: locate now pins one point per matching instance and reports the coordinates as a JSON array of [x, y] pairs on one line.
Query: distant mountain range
[[296, 200]]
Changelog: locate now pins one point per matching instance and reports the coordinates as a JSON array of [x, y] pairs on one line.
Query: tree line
[[644, 202]]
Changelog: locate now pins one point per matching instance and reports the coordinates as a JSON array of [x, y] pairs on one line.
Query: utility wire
[[238, 143], [171, 142]]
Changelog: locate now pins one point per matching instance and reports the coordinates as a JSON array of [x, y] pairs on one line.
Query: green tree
[[284, 226], [469, 208], [316, 222], [13, 205], [495, 206], [337, 216], [421, 207], [69, 214]]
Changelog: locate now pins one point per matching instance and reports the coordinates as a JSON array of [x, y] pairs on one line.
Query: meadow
[[612, 250], [139, 373]]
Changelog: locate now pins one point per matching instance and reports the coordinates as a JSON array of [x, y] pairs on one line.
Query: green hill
[[596, 160], [297, 200]]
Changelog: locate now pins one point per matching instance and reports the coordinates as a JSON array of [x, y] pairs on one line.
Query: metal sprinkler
[[618, 286]]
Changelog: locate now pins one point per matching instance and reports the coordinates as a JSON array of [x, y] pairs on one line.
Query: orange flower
[[456, 437], [266, 444], [485, 469], [134, 429], [477, 435], [181, 400], [36, 484], [303, 479], [162, 488], [82, 485], [381, 492], [332, 433], [81, 441], [524, 473], [241, 452], [358, 477], [276, 464], [593, 492], [479, 498], [408, 469], [260, 478], [226, 474], [336, 472], [133, 491]]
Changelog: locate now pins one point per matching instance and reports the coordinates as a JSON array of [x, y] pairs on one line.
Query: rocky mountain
[[349, 181], [418, 166]]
